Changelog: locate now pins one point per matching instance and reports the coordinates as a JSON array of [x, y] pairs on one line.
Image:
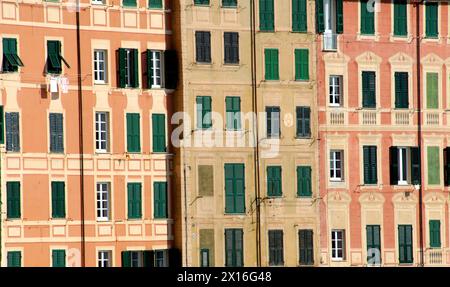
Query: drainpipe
[[80, 137]]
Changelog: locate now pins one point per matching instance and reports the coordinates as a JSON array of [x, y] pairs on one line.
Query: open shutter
[[122, 63], [447, 166], [149, 58], [126, 259], [415, 165], [339, 16], [393, 168], [320, 24], [148, 258], [170, 69]]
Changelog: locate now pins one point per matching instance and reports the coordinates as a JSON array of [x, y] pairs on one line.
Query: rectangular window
[[271, 64], [276, 250], [306, 249], [160, 258], [56, 132], [101, 132], [58, 199], [301, 64], [203, 47], [229, 3], [129, 3], [11, 60], [367, 18], [266, 15], [231, 47], [100, 66], [159, 132], [160, 199], [233, 110], [59, 258], [447, 166], [134, 201], [234, 188], [401, 90], [400, 18], [128, 72], [2, 125], [273, 122], [154, 64], [368, 89], [13, 200], [373, 244], [405, 244], [336, 165], [133, 132], [137, 259], [404, 165], [303, 122], [435, 233], [155, 4], [201, 2], [97, 2], [104, 258], [432, 91], [274, 183], [14, 259], [204, 257], [370, 164], [299, 16], [54, 57], [304, 183], [338, 245], [335, 90], [431, 19], [329, 21], [103, 204], [12, 132], [203, 104], [434, 170], [234, 248]]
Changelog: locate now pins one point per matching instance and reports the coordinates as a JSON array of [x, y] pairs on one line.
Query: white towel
[[64, 84], [53, 85]]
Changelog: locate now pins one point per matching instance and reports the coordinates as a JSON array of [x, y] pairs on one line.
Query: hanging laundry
[[64, 84], [53, 85]]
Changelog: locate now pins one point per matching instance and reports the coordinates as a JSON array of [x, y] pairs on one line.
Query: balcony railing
[[434, 256], [337, 118], [369, 118], [401, 118], [432, 118], [329, 41]]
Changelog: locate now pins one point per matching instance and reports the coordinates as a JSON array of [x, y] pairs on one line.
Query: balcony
[[336, 118], [432, 118], [434, 257], [329, 41], [368, 118], [402, 118]]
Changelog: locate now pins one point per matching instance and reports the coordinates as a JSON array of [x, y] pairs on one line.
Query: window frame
[[102, 260], [335, 250], [99, 138], [103, 213], [335, 90], [334, 165], [96, 64]]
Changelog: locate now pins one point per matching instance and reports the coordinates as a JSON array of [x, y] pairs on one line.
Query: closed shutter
[[160, 199], [155, 4], [435, 233], [229, 189], [12, 132], [368, 89], [400, 18], [129, 3], [230, 257], [393, 166], [159, 132], [14, 259], [433, 165], [339, 16], [401, 90], [233, 113], [306, 250], [303, 115], [299, 16], [121, 64], [276, 250], [266, 15], [58, 258], [203, 42], [126, 258], [367, 19], [304, 188], [239, 247], [431, 19], [447, 166], [405, 244], [2, 125], [170, 69], [234, 188], [415, 165], [274, 183], [373, 239], [203, 104], [231, 47], [134, 201], [56, 132], [320, 24], [133, 133], [58, 200], [432, 91], [13, 199], [302, 64], [271, 64], [370, 164]]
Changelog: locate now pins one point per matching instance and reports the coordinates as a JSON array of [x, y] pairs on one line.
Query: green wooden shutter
[[121, 67], [274, 182], [299, 16], [303, 115], [433, 165], [203, 104], [373, 239], [58, 199], [14, 258], [2, 125], [339, 16], [435, 233], [370, 164], [447, 166], [133, 132], [320, 24], [401, 90], [304, 188], [276, 250], [12, 134], [393, 162], [229, 192], [126, 258], [129, 3], [432, 91], [54, 57], [368, 89], [405, 244], [59, 258], [56, 132], [155, 4], [13, 199], [149, 58], [431, 19], [134, 73], [301, 64], [134, 200], [159, 132], [160, 199], [306, 247], [271, 64], [415, 165], [11, 60], [266, 15], [229, 3], [400, 18], [233, 113], [234, 188], [367, 19]]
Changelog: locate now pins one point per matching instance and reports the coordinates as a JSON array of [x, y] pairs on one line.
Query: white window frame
[[128, 68], [334, 166], [339, 245], [136, 258], [335, 90], [403, 158], [329, 22], [103, 196], [101, 135], [97, 2], [104, 258], [156, 66], [165, 261], [96, 65]]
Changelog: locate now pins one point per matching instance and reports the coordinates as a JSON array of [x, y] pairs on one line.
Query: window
[[271, 64], [274, 183], [97, 2], [99, 66], [12, 132], [234, 248], [447, 166], [204, 257], [234, 188], [273, 122], [103, 201], [134, 201], [104, 258], [154, 59], [56, 132], [101, 132], [432, 90], [203, 47], [160, 199], [266, 15], [128, 75], [329, 21], [336, 165], [161, 258], [370, 164], [404, 165], [203, 104], [155, 4], [58, 199], [304, 188], [133, 132], [129, 3], [138, 258], [306, 250], [335, 89], [54, 57], [401, 90], [303, 122], [276, 251], [301, 64], [368, 89], [338, 245], [14, 258], [205, 180], [431, 19], [367, 18], [405, 241], [159, 132], [434, 171], [229, 3], [233, 113], [299, 18], [400, 18], [59, 258], [373, 244], [2, 125], [231, 47], [435, 233], [201, 2], [13, 199], [11, 60]]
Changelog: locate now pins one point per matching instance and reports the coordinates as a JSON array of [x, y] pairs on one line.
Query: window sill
[[266, 31], [103, 221], [299, 32], [304, 197], [133, 219], [234, 214], [303, 138], [160, 219], [98, 152], [228, 7], [100, 83]]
